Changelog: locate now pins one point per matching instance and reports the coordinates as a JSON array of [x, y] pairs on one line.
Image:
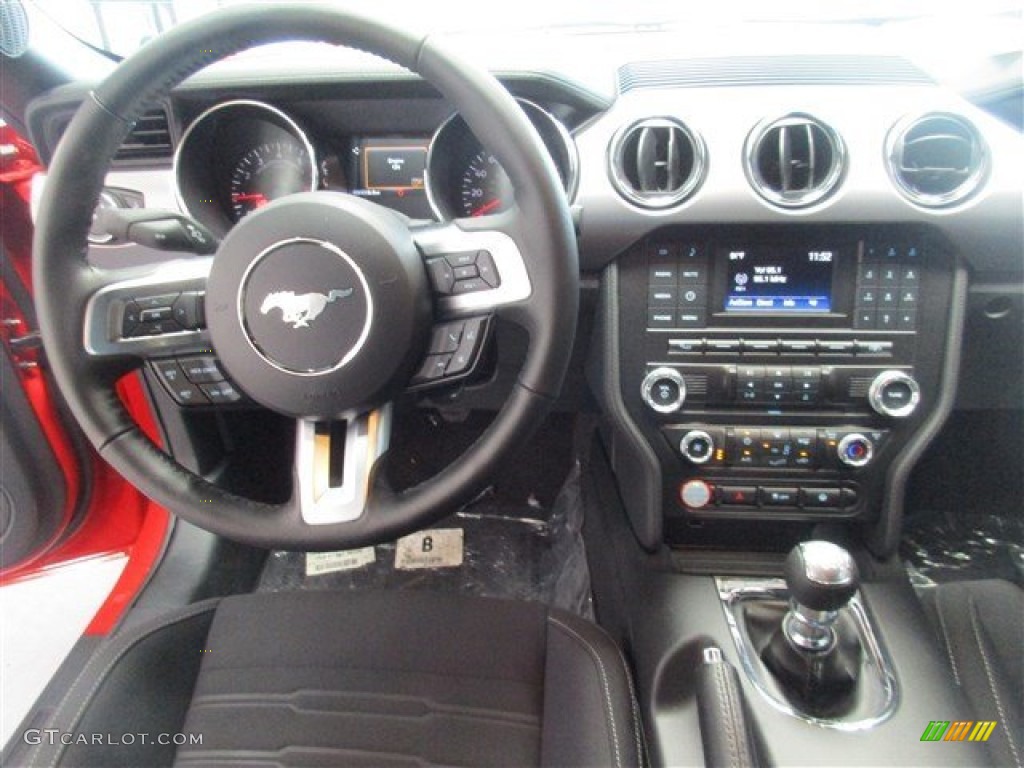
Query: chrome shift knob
[[822, 577]]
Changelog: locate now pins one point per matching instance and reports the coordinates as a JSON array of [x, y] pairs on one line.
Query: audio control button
[[835, 348], [722, 346], [798, 347], [894, 394], [686, 346], [664, 390], [873, 348], [759, 346]]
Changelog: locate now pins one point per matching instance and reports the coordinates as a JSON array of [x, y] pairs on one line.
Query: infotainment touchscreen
[[778, 278]]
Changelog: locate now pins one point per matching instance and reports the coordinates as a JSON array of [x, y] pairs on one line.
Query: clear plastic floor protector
[[521, 552], [975, 547]]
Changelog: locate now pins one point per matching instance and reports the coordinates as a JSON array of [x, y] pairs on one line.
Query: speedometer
[[266, 172], [465, 180], [485, 186]]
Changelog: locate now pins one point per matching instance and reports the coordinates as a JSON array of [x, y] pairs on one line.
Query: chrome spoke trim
[[321, 501]]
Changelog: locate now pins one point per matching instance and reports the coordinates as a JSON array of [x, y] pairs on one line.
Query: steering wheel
[[343, 356]]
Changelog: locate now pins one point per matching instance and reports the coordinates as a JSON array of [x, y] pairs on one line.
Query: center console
[[776, 373]]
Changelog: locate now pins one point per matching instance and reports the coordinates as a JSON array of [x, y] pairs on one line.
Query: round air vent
[[794, 161], [936, 160], [657, 162]]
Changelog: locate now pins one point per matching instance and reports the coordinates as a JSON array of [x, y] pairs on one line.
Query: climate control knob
[[855, 450], [697, 446], [664, 390], [894, 394]]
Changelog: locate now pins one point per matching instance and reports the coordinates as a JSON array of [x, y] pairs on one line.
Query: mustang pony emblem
[[300, 310]]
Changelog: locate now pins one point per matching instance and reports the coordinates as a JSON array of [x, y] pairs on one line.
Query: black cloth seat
[[982, 629], [358, 679]]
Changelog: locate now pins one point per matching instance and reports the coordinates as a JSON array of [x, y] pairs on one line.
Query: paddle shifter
[[814, 660]]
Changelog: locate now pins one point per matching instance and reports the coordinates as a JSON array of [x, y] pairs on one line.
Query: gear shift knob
[[821, 576]]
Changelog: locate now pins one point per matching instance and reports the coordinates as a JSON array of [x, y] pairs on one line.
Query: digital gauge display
[[391, 171]]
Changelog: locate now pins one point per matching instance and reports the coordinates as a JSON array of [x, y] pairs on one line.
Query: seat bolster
[[982, 624], [138, 682], [591, 717]]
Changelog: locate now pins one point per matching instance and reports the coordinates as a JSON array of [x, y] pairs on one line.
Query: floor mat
[[516, 551], [972, 547]]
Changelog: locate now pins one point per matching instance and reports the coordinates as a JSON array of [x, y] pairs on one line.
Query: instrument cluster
[[242, 154]]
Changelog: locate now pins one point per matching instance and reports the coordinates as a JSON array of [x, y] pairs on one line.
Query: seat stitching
[[634, 707], [128, 642], [223, 700], [946, 639], [609, 712], [973, 610], [514, 681]]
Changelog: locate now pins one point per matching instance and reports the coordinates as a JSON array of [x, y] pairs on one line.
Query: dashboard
[[787, 250]]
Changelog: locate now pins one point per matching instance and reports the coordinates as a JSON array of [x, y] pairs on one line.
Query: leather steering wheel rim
[[64, 281]]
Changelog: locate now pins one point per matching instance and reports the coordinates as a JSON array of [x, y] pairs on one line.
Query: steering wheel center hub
[[306, 306], [318, 305]]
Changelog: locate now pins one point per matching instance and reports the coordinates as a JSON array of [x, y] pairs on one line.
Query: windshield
[[952, 39]]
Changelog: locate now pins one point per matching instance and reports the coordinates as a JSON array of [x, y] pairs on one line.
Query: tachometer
[[238, 156], [266, 172]]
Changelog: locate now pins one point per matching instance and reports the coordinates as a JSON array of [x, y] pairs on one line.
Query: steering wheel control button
[[463, 272], [459, 344], [446, 338], [169, 373], [149, 316], [855, 450], [894, 394], [201, 369], [130, 319], [187, 310], [697, 446], [221, 392], [664, 390], [433, 368], [696, 494], [486, 269], [442, 276]]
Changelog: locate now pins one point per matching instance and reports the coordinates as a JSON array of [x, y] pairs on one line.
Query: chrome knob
[[664, 390], [697, 446], [894, 394], [855, 450]]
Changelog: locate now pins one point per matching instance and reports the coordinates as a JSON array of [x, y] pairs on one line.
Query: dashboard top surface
[[723, 88]]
